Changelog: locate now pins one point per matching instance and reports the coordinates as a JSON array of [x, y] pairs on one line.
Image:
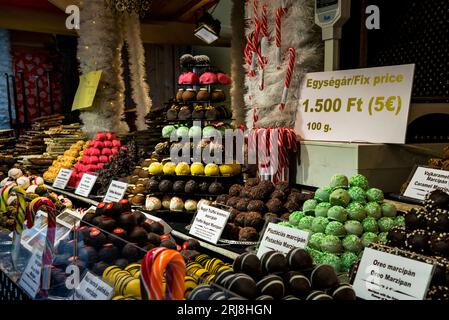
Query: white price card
[[282, 239], [93, 288], [31, 277], [384, 276], [209, 223], [62, 179], [86, 184], [360, 105], [116, 191], [425, 180]]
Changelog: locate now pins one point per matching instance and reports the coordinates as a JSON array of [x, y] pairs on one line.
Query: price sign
[[425, 180], [62, 179], [31, 277], [209, 223], [87, 90], [282, 239], [383, 276], [93, 288], [116, 191], [86, 184], [363, 105]]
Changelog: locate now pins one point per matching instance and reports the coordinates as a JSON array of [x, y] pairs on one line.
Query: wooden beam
[[188, 14], [29, 20]]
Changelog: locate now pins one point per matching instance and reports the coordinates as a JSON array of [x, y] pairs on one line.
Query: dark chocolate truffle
[[274, 262], [232, 202], [268, 185], [154, 227], [275, 206], [246, 192], [216, 188], [231, 231], [96, 238], [278, 194], [108, 253], [130, 252], [108, 224], [234, 190], [437, 199], [418, 241], [415, 219], [100, 209], [260, 193], [323, 277], [240, 219], [283, 186], [248, 234], [396, 237], [191, 186], [203, 187], [254, 220], [249, 264], [222, 199], [191, 244], [154, 239], [170, 244], [88, 219], [179, 186], [127, 220], [120, 234], [439, 244], [438, 221], [298, 260], [233, 213], [138, 235], [243, 285], [166, 186], [242, 205], [292, 206], [153, 186], [256, 205], [272, 285], [297, 284], [140, 217], [252, 182]]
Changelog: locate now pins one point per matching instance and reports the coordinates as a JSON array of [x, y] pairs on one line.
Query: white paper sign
[[86, 184], [209, 223], [93, 288], [426, 180], [282, 239], [116, 191], [361, 105], [62, 179], [383, 276], [31, 277]]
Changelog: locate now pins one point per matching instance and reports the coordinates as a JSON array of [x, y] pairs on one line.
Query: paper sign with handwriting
[[282, 239], [209, 223]]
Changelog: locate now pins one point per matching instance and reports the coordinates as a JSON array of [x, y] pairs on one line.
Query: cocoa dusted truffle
[[191, 186], [179, 186], [153, 185], [235, 189], [256, 205], [231, 231], [268, 185], [246, 192], [222, 199], [254, 220], [283, 186], [166, 186], [233, 214], [271, 217], [232, 202], [278, 194], [260, 193], [292, 206], [203, 187], [274, 205], [242, 205], [248, 234], [216, 188], [252, 182]]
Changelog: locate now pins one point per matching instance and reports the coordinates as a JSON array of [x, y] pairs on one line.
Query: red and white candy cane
[[157, 263], [279, 13], [264, 31], [288, 77], [286, 144]]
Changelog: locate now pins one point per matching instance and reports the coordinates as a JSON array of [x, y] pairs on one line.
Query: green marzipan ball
[[352, 243], [332, 260], [336, 228], [347, 260], [360, 181], [315, 240], [295, 217], [389, 210], [322, 194], [322, 209], [337, 213], [309, 206], [375, 195], [385, 224], [331, 244], [339, 181], [374, 210], [399, 221], [357, 194], [319, 224], [339, 197], [356, 211], [354, 227], [369, 237], [305, 223], [370, 225]]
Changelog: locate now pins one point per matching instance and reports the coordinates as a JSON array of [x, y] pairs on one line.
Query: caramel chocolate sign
[[384, 276]]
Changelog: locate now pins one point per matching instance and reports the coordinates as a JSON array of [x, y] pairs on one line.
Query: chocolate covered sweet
[[439, 244], [178, 186], [107, 224], [323, 277], [291, 206], [203, 187], [235, 190], [191, 186], [242, 205], [249, 264], [256, 205], [243, 285], [274, 262], [127, 220], [297, 284], [232, 202], [248, 234], [166, 186], [222, 199], [298, 259], [272, 285], [108, 253], [415, 219], [252, 182], [232, 231], [418, 241], [274, 205], [437, 199], [154, 227], [247, 192], [216, 188], [278, 194], [396, 237], [130, 252]]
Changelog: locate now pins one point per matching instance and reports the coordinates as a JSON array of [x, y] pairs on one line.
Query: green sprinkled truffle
[[319, 224], [331, 244], [357, 194], [399, 221], [332, 260], [352, 243], [339, 197], [360, 181], [354, 227], [347, 260], [335, 228], [305, 223], [369, 237], [375, 195], [356, 211], [339, 181], [374, 210], [315, 240], [382, 237], [322, 194], [385, 224], [388, 210], [295, 217], [337, 213], [309, 206], [370, 225], [321, 209], [167, 131]]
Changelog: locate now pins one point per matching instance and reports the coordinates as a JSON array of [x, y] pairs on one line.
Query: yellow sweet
[[156, 168], [211, 169], [236, 168], [133, 289], [169, 168], [182, 169], [226, 170], [197, 169]]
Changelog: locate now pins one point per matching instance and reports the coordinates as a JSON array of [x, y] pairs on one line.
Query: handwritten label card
[[209, 223], [93, 288], [116, 191], [31, 277], [62, 179], [86, 184], [282, 239], [425, 180]]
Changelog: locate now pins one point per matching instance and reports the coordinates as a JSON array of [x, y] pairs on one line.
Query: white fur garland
[[299, 32], [136, 51], [99, 48]]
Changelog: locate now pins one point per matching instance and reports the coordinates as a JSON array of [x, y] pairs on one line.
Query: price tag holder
[[31, 277], [209, 223], [361, 105], [62, 179], [86, 184], [282, 239], [93, 288], [384, 276], [116, 191], [425, 180]]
